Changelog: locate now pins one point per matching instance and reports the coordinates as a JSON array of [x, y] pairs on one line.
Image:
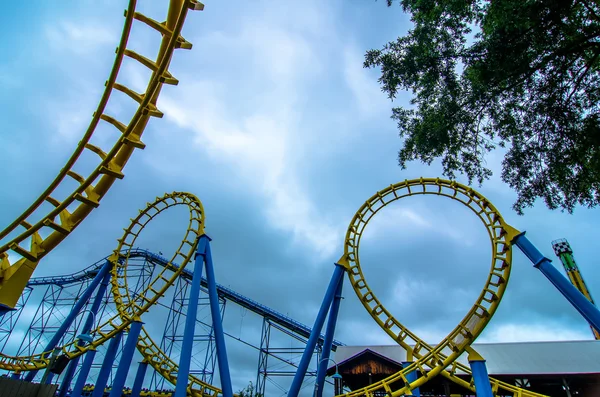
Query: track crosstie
[[442, 358], [30, 237]]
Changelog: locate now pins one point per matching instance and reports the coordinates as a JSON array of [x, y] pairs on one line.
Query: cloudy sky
[[282, 134]]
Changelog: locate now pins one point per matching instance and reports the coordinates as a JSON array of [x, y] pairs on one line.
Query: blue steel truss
[[224, 292], [11, 318], [204, 341], [142, 263], [280, 364]]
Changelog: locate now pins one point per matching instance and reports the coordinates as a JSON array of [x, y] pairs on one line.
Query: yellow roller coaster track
[[130, 310], [440, 359], [127, 307], [39, 237]]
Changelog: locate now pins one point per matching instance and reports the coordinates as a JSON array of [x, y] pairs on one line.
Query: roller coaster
[[134, 292], [59, 294]]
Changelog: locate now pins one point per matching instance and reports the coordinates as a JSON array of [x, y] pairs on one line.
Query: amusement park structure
[[563, 250], [60, 294], [135, 290]]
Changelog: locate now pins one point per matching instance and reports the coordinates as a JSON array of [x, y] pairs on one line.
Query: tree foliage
[[522, 75], [249, 391]]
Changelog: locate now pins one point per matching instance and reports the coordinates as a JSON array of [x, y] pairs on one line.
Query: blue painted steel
[[49, 378], [87, 326], [483, 388], [328, 344], [217, 325], [569, 291], [5, 309], [83, 373], [66, 382], [411, 377], [338, 274], [107, 364], [126, 357], [139, 379], [230, 295], [190, 320], [64, 326], [247, 303], [16, 375]]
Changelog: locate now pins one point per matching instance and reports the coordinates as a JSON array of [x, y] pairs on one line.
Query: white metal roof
[[518, 358]]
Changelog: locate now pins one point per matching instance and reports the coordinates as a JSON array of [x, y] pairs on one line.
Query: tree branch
[[578, 82], [590, 10]]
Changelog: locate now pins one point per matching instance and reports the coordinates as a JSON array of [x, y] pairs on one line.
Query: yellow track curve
[[30, 236], [127, 308], [32, 239], [130, 310], [440, 359]]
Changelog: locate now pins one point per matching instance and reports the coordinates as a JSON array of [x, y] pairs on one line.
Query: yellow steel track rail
[[128, 309], [35, 239], [440, 359]]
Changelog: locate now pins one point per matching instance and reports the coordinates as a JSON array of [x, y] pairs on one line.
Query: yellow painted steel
[[440, 359], [576, 279], [131, 309], [31, 239], [128, 307]]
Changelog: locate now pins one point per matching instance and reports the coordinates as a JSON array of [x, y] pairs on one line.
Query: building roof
[[366, 351], [515, 358]]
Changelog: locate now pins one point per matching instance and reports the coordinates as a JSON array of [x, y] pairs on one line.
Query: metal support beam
[[48, 376], [210, 358], [109, 359], [190, 320], [83, 373], [328, 343], [263, 356], [217, 325], [572, 294], [483, 388], [87, 326], [139, 379], [411, 377], [126, 357], [8, 321], [74, 312], [338, 274]]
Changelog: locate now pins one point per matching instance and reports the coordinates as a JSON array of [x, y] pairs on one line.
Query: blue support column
[[83, 373], [411, 377], [87, 326], [483, 388], [217, 325], [49, 378], [16, 375], [66, 382], [190, 319], [338, 274], [83, 299], [5, 309], [126, 357], [139, 379], [569, 291], [109, 359], [328, 342]]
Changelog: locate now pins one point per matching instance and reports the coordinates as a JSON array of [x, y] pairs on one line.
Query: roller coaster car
[[59, 364]]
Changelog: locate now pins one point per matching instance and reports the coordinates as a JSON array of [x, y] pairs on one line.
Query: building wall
[[19, 388]]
